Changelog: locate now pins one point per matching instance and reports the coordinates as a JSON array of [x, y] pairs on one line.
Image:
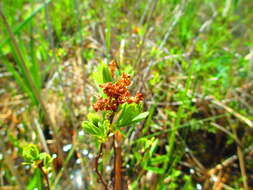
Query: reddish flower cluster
[[117, 93]]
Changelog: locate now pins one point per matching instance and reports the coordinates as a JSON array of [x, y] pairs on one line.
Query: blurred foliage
[[191, 59]]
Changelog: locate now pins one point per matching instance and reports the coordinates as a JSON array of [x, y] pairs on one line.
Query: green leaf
[[154, 169], [46, 159], [36, 181], [30, 153], [94, 118], [153, 147], [131, 119], [102, 75], [107, 77], [90, 128], [99, 131], [130, 114], [159, 159], [140, 117], [105, 127]]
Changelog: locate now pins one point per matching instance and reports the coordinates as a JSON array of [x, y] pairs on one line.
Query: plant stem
[[241, 161], [117, 160], [96, 167], [44, 175]]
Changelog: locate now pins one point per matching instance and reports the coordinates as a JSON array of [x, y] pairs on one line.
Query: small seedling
[[42, 161]]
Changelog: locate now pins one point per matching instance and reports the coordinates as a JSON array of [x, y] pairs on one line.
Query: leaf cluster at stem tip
[[33, 157], [115, 100]]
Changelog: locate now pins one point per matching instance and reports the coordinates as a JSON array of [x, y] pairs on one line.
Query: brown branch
[[241, 162], [117, 160], [44, 173], [100, 178]]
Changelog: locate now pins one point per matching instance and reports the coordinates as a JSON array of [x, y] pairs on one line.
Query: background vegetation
[[191, 59]]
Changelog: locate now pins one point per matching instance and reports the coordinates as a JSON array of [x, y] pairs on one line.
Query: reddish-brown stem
[[40, 166], [100, 178], [117, 161]]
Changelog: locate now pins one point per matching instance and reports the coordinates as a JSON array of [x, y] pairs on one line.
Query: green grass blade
[[25, 22]]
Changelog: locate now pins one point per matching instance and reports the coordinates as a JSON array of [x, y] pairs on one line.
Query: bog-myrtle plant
[[118, 110], [42, 162]]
